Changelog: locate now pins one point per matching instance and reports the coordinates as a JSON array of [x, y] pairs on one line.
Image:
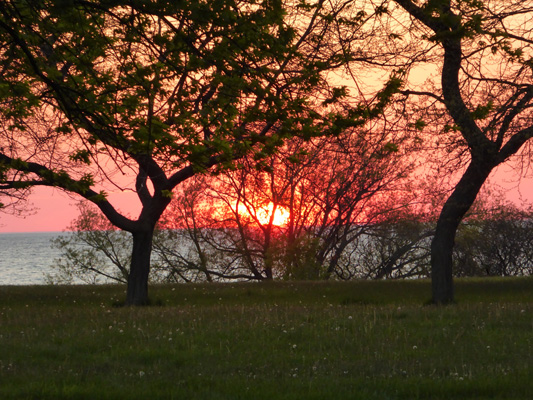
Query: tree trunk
[[137, 293], [450, 217]]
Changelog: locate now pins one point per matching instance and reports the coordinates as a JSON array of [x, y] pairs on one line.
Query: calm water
[[25, 258]]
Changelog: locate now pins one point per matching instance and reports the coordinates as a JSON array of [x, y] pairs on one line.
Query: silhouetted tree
[[484, 53], [136, 95]]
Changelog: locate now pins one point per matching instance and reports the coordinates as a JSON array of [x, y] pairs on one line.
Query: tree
[[495, 239], [297, 215], [135, 95], [485, 53], [390, 250], [93, 251]]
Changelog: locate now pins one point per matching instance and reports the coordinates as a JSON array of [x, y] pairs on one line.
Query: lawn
[[281, 340]]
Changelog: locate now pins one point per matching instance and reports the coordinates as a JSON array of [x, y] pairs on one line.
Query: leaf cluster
[[170, 86]]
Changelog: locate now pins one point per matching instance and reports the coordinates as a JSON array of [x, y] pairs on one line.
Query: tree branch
[[62, 180], [422, 93]]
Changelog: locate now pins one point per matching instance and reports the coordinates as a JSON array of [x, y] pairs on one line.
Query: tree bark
[[137, 292], [450, 217]]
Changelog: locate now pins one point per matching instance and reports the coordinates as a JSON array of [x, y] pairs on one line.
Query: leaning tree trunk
[[137, 293], [450, 217]]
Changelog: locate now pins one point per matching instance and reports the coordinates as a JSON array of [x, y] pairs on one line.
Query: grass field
[[324, 340]]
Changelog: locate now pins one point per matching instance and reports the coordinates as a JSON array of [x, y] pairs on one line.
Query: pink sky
[[54, 210]]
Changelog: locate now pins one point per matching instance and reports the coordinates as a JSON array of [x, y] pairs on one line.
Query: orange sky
[[54, 210]]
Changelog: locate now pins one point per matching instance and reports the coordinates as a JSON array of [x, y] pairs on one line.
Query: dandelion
[[415, 347], [141, 374]]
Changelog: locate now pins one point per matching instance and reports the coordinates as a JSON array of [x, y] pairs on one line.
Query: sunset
[[266, 199], [277, 216]]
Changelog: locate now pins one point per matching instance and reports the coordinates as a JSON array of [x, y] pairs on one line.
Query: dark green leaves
[[482, 111]]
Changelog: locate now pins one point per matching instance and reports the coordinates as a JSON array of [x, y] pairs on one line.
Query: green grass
[[323, 340]]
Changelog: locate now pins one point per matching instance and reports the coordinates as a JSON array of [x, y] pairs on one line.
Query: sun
[[281, 215]]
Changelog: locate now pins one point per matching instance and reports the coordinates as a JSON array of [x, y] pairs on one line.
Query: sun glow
[[278, 214]]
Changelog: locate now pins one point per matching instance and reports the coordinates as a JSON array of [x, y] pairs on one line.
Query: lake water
[[25, 258]]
